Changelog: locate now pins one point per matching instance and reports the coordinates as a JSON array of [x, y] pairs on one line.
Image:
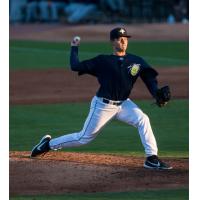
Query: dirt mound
[[61, 172], [59, 85]]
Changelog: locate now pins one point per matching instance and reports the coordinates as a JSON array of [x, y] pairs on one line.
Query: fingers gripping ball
[[163, 96], [76, 41]]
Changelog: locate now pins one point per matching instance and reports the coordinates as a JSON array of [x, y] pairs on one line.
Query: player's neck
[[119, 53]]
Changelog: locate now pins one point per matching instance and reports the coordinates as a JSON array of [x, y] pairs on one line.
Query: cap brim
[[127, 36]]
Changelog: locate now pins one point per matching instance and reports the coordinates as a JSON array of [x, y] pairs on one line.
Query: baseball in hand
[[76, 41]]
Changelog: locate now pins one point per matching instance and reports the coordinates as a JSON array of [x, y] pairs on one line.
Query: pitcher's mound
[[61, 172]]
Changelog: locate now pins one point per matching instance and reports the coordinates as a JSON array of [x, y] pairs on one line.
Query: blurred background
[[98, 11]]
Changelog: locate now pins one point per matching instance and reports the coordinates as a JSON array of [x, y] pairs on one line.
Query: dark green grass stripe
[[173, 194], [44, 55]]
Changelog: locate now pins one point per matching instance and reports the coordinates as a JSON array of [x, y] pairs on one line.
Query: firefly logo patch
[[134, 69]]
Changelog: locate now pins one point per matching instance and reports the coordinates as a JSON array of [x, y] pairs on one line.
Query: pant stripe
[[84, 131]]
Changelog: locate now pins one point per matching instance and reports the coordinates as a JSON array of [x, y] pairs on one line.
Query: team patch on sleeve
[[134, 69]]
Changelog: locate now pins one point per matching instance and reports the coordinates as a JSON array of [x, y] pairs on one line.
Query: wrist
[[74, 45]]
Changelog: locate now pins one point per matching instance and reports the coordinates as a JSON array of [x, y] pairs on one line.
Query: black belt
[[116, 103]]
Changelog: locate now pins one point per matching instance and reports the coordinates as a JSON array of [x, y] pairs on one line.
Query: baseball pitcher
[[116, 74]]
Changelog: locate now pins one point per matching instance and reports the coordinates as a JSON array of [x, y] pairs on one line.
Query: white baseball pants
[[100, 114]]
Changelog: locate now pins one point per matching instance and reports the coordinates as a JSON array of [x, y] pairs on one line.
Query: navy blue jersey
[[116, 74]]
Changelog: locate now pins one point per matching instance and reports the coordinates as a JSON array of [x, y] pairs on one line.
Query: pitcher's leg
[[133, 115], [147, 136], [99, 115]]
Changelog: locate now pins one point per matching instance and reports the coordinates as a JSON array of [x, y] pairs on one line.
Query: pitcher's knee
[[86, 137], [143, 119]]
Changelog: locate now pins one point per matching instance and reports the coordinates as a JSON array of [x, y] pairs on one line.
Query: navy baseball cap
[[118, 32]]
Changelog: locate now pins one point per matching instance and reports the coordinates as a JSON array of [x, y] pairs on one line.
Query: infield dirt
[[59, 86], [100, 32], [61, 172]]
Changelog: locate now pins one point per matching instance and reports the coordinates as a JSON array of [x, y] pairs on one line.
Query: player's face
[[120, 44]]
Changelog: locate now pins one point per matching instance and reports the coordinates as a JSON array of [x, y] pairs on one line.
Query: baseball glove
[[163, 95]]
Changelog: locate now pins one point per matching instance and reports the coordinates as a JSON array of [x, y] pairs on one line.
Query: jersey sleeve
[[85, 67], [148, 75]]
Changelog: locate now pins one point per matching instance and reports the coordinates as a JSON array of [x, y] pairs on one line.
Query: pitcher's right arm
[[89, 66]]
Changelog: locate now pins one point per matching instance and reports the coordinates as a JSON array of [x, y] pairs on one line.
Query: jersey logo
[[133, 69]]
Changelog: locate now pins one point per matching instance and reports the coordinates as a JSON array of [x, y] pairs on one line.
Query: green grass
[[44, 55], [28, 123], [178, 194]]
